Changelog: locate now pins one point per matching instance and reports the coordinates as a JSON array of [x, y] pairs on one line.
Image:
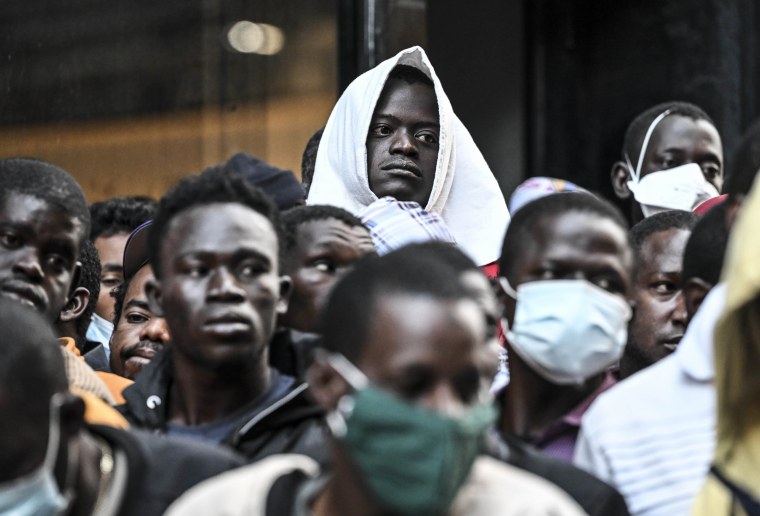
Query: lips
[[228, 326], [137, 356], [402, 167], [672, 343], [25, 293]]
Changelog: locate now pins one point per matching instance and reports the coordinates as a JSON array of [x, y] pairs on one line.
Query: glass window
[[130, 95]]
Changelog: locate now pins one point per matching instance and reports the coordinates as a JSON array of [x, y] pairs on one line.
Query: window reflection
[[131, 95]]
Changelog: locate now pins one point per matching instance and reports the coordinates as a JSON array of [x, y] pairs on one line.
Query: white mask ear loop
[[635, 176], [335, 419], [507, 288]]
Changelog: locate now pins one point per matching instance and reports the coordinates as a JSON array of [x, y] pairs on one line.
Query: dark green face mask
[[414, 460]]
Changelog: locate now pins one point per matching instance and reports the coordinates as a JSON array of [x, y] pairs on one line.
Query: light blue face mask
[[37, 493], [100, 330], [567, 330]]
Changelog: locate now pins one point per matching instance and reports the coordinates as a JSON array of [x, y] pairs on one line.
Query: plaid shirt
[[394, 224]]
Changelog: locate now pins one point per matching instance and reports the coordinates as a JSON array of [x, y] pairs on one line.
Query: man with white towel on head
[[394, 134]]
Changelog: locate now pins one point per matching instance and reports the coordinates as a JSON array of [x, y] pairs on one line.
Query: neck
[[344, 493], [199, 395], [529, 404]]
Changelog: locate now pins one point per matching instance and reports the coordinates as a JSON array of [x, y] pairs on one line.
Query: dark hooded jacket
[[291, 423]]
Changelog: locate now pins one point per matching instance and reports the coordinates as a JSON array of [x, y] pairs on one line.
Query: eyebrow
[[112, 267], [398, 121], [710, 155], [245, 252], [666, 273], [137, 303]]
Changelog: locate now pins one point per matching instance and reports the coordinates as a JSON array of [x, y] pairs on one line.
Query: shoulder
[[594, 495], [161, 468], [243, 491], [497, 489], [644, 396]]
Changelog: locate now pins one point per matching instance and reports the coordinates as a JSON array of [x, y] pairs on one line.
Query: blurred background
[[131, 95]]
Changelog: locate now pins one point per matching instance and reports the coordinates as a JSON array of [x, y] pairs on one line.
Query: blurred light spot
[[255, 38]]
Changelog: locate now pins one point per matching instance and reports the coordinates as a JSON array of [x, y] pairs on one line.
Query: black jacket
[[291, 352], [158, 470], [291, 424], [593, 495]]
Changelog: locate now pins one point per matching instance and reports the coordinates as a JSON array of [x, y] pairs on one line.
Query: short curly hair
[[217, 184], [120, 215]]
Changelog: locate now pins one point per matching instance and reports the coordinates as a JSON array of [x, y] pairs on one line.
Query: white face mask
[[568, 330], [37, 493], [679, 188]]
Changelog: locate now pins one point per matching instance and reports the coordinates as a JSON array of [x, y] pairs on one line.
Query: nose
[[28, 263], [404, 143], [156, 330], [679, 315], [223, 286], [443, 399]]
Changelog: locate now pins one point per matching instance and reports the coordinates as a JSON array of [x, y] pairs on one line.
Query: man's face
[[111, 253], [678, 140], [402, 142], [220, 287], [140, 333], [577, 245], [659, 317], [426, 351], [39, 246], [325, 251], [479, 286]]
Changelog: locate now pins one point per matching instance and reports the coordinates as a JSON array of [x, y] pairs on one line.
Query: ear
[[326, 385], [694, 292], [286, 287], [76, 305], [153, 293], [620, 176], [507, 303]]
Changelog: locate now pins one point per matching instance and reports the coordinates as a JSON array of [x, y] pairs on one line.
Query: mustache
[[132, 349]]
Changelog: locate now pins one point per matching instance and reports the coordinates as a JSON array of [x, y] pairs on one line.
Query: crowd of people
[[388, 336]]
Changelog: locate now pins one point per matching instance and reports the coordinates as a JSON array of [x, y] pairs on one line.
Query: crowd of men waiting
[[387, 337]]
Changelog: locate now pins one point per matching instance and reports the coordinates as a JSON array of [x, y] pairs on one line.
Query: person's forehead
[[575, 234], [408, 330], [219, 227], [399, 94], [678, 131], [111, 248], [136, 288], [662, 251], [327, 231], [24, 208]]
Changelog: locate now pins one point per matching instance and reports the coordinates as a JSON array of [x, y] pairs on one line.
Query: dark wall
[[478, 50], [547, 87]]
